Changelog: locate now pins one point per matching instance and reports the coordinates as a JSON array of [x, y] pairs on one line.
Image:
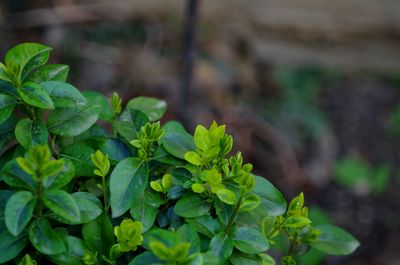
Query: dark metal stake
[[189, 54]]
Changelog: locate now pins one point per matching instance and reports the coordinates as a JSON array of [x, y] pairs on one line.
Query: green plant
[[73, 192]]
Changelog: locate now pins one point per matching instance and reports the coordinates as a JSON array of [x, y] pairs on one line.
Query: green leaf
[[193, 158], [98, 234], [272, 201], [35, 95], [89, 208], [30, 133], [3, 73], [61, 179], [23, 58], [9, 88], [250, 240], [18, 211], [188, 234], [49, 72], [237, 259], [14, 176], [129, 123], [192, 205], [146, 209], [127, 183], [44, 238], [250, 202], [115, 149], [145, 258], [7, 131], [79, 154], [72, 121], [226, 196], [335, 241], [62, 204], [297, 221], [205, 225], [106, 112], [63, 94], [152, 107], [221, 246], [11, 246], [76, 248], [7, 105], [176, 140]]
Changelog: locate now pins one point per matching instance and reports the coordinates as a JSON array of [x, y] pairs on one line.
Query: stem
[[105, 194], [233, 216], [39, 190], [293, 245]]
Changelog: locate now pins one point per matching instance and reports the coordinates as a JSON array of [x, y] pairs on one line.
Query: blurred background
[[310, 89]]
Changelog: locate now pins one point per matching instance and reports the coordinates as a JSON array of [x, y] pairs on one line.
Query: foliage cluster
[[86, 180]]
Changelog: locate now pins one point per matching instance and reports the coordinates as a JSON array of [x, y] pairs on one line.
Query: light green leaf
[[14, 176], [297, 221], [152, 107], [250, 202], [35, 95], [44, 238], [63, 94], [193, 158], [30, 133], [61, 179], [226, 196], [62, 204], [72, 121], [18, 212], [335, 241], [127, 183], [7, 105], [250, 240], [192, 205]]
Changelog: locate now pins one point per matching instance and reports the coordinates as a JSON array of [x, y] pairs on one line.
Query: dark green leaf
[[7, 105], [250, 240], [30, 133], [176, 140], [62, 204], [50, 72], [14, 176], [145, 258], [272, 200], [98, 234], [61, 179], [19, 210], [25, 57], [152, 107], [161, 155], [79, 154], [205, 225], [7, 131], [115, 150], [35, 95], [129, 123], [10, 246], [192, 205], [335, 241], [146, 208], [63, 94], [236, 259], [106, 112], [187, 233], [76, 248], [127, 183], [72, 121], [8, 88], [44, 238], [221, 246]]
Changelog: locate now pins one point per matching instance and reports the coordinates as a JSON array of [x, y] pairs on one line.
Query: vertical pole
[[188, 57]]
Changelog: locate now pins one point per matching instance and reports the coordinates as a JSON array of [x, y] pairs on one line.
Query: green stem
[[105, 194], [233, 217], [39, 191], [293, 245]]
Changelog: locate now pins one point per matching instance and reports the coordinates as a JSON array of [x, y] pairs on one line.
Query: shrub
[[85, 180]]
